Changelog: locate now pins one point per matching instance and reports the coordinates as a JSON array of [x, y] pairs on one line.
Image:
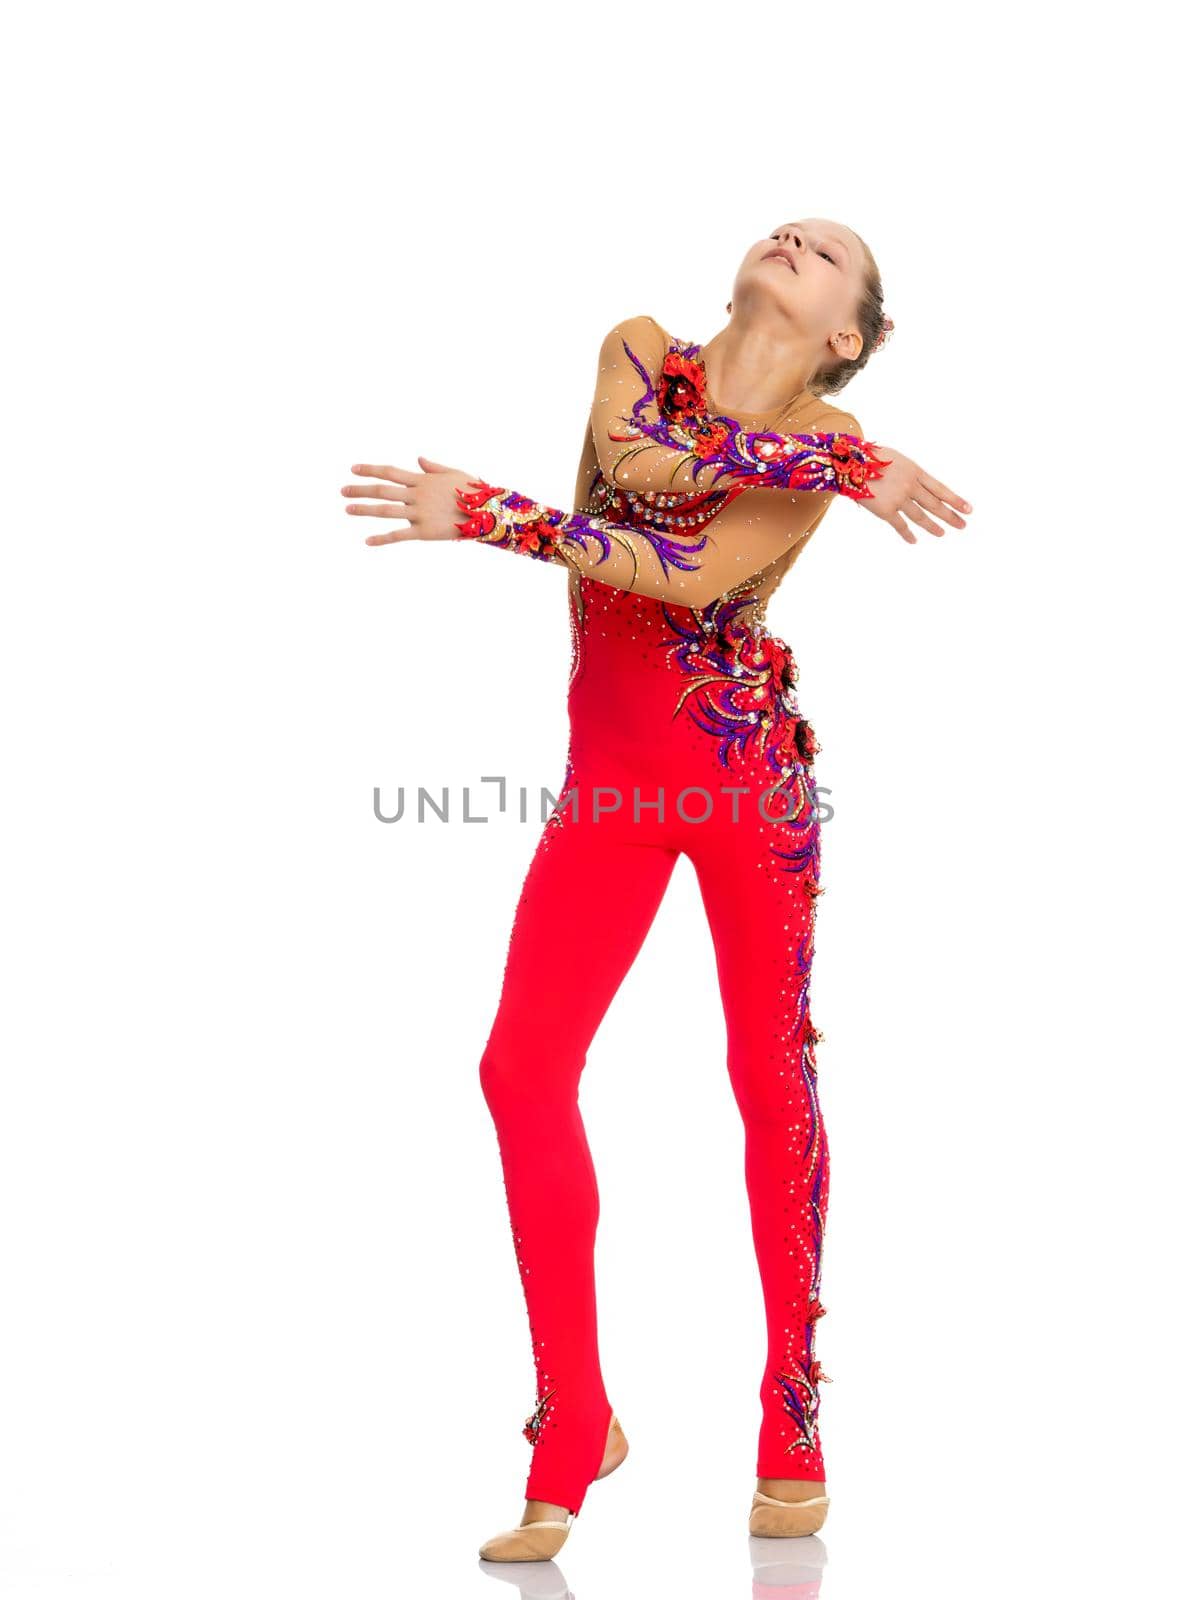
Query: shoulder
[[642, 332], [833, 419], [633, 351]]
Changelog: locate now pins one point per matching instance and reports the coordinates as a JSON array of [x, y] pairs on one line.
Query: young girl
[[705, 471]]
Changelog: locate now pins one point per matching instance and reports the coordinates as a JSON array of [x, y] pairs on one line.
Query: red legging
[[671, 711]]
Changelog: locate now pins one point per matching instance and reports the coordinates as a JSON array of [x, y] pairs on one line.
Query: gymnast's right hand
[[425, 500]]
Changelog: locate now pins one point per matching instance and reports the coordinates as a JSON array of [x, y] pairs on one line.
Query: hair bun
[[884, 331]]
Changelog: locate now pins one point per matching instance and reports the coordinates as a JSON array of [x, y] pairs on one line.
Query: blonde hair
[[873, 324]]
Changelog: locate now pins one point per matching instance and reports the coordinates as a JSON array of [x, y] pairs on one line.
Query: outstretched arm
[[670, 561], [652, 433], [686, 549]]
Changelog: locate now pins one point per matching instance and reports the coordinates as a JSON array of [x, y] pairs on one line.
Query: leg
[[588, 901], [759, 880]]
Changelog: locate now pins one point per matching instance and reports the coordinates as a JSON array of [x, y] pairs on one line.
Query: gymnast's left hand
[[424, 500], [904, 489]]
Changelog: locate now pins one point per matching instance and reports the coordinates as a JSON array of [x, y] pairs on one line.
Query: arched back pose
[[705, 471]]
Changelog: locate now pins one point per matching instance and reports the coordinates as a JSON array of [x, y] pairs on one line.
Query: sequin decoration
[[503, 517], [740, 684], [801, 1403], [796, 848], [741, 688], [807, 1187], [534, 1423], [836, 462], [578, 615]]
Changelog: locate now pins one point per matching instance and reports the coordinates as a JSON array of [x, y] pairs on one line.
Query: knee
[[497, 1073], [516, 1075], [772, 1095]]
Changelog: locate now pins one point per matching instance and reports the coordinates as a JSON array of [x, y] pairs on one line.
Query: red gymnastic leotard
[[685, 738]]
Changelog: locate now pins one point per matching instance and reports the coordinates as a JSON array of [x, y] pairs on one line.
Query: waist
[[656, 683], [635, 637]]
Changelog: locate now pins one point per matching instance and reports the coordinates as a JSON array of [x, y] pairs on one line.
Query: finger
[[386, 508], [392, 474], [394, 537], [913, 510], [380, 491], [433, 466], [902, 528], [938, 507], [940, 489]]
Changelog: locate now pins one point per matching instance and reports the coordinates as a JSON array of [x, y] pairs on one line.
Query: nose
[[797, 240]]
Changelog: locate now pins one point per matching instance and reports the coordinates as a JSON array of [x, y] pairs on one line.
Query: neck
[[754, 366]]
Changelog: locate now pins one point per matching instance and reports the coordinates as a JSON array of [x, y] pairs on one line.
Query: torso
[[799, 416]]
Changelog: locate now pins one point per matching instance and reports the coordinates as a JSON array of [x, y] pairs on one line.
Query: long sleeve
[[685, 548], [652, 430], [664, 532]]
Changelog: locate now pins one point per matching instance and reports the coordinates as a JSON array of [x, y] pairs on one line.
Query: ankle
[[536, 1509], [791, 1488]]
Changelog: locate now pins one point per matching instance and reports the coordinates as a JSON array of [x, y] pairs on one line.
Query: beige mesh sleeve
[[628, 374], [669, 560], [639, 466]]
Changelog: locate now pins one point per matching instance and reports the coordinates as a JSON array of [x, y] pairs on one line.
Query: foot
[[541, 1543], [537, 1543], [804, 1512]]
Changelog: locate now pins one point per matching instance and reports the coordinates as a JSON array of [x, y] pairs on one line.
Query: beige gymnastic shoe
[[542, 1538], [786, 1519]]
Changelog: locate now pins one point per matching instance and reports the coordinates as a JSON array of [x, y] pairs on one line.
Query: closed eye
[[831, 259]]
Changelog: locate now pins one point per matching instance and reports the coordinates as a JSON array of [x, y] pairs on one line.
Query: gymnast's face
[[813, 272]]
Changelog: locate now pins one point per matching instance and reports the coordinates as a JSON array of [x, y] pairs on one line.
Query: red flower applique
[[799, 743], [849, 469], [681, 387], [711, 437], [779, 657], [477, 524], [535, 536], [476, 494]]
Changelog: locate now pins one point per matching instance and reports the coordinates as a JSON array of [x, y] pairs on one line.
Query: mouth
[[782, 255]]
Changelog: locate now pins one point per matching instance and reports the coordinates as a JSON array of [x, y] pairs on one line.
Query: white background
[[262, 1331]]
